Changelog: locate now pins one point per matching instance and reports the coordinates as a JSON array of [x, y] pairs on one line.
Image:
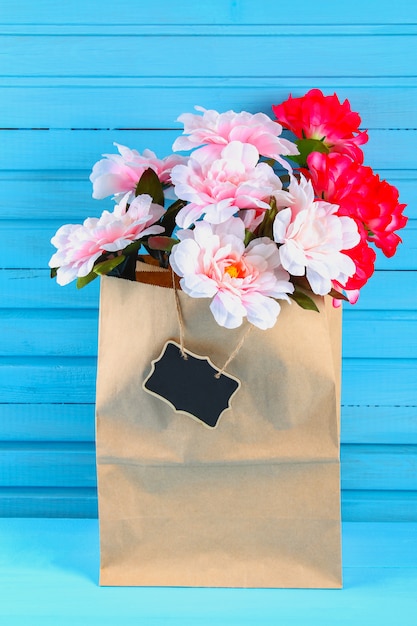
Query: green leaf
[[84, 280], [303, 300], [265, 228], [306, 147], [132, 247], [249, 235], [149, 183], [54, 271], [160, 242], [168, 219], [108, 265]]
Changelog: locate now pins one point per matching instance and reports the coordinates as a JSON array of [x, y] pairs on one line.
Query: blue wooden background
[[76, 76]]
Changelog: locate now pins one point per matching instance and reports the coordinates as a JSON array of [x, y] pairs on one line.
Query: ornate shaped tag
[[189, 385]]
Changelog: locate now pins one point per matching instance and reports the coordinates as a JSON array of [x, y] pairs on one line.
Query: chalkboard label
[[189, 385]]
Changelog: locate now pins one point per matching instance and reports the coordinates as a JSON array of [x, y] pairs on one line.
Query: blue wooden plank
[[72, 464], [48, 502], [91, 105], [79, 150], [205, 30], [218, 12], [75, 150], [73, 502], [75, 422], [26, 377], [390, 291], [208, 55], [379, 382], [379, 334], [34, 289], [387, 467], [48, 332], [387, 290], [24, 464], [29, 241], [47, 380], [379, 506], [379, 424], [69, 332], [66, 195], [47, 422], [385, 382]]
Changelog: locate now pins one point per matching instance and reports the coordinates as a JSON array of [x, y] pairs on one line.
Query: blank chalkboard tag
[[189, 385]]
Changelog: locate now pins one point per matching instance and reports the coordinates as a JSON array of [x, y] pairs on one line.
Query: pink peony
[[215, 130], [117, 174], [316, 116], [242, 282], [312, 238], [80, 245], [217, 189]]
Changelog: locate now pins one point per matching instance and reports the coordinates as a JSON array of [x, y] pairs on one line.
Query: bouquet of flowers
[[249, 218]]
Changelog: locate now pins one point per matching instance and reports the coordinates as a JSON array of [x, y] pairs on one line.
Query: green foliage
[[104, 267], [265, 228], [85, 280], [150, 184], [303, 300], [168, 219], [306, 147]]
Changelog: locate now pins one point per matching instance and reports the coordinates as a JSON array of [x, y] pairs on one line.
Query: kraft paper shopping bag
[[254, 502]]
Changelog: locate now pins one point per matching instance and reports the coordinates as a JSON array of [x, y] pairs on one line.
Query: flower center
[[236, 270]]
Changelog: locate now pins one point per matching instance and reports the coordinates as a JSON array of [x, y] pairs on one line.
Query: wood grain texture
[[57, 102], [217, 53], [80, 149], [74, 333], [95, 12], [75, 422], [66, 195], [81, 502], [29, 464], [50, 379], [34, 289], [73, 80], [32, 239]]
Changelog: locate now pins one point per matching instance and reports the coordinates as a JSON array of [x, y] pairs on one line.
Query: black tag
[[189, 385]]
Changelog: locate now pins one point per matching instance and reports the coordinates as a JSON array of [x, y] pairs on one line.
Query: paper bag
[[254, 502]]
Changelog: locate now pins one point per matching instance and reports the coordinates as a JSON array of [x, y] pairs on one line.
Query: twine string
[[179, 317], [235, 352], [182, 332]]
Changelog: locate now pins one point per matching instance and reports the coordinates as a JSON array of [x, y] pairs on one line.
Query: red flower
[[324, 118], [364, 258], [361, 194]]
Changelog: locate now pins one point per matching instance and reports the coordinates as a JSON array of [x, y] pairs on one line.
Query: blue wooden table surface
[[49, 574]]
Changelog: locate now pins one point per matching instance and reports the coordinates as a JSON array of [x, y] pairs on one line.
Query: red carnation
[[361, 194], [323, 118]]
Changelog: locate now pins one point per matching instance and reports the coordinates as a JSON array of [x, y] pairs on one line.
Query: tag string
[[179, 317], [235, 352], [181, 328]]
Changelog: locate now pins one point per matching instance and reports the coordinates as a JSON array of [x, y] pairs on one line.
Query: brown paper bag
[[254, 502]]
